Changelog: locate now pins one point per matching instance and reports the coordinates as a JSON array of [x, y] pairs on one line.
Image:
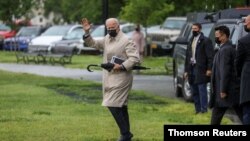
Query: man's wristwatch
[[85, 36]]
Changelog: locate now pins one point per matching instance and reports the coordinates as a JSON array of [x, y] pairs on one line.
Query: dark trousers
[[246, 113], [199, 92], [218, 113], [121, 117]]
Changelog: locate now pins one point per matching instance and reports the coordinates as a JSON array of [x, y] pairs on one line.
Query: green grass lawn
[[157, 64], [36, 108]]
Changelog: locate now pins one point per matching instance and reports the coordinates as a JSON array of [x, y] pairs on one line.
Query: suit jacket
[[224, 78], [204, 59], [116, 85], [242, 64]]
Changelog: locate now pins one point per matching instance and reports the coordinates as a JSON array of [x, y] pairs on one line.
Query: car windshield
[[98, 32], [29, 31], [57, 31], [173, 24], [206, 29], [4, 27], [75, 34], [238, 32]]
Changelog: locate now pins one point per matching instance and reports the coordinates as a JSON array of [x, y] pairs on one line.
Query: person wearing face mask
[[198, 65], [224, 82], [139, 41], [118, 82], [242, 65]]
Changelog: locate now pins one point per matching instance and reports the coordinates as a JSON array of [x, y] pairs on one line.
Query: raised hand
[[86, 25]]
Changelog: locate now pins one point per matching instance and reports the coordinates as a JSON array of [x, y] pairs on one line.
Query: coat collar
[[227, 43]]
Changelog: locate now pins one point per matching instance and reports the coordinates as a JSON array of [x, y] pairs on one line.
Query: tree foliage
[[146, 12], [74, 10], [182, 7], [15, 9]]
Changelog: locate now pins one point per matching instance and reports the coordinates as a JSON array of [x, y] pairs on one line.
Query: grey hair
[[112, 19]]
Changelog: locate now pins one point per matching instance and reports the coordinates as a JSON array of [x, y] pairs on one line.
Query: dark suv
[[229, 17], [236, 27]]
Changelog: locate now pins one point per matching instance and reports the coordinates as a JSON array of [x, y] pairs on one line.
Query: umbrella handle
[[88, 67]]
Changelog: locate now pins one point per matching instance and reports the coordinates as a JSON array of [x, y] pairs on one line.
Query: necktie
[[193, 47]]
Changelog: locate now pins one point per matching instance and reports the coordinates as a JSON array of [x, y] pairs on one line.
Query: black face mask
[[137, 29], [195, 33], [217, 41], [112, 33], [246, 29]]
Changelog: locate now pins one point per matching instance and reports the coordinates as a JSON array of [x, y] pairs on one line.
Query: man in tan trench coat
[[118, 82]]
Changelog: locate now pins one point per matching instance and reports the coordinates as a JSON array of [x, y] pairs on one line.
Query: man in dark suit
[[242, 64], [224, 82], [198, 64]]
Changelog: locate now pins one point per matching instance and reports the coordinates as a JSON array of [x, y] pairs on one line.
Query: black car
[[229, 17], [236, 27]]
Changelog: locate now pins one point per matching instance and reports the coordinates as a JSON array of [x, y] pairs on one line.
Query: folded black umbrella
[[109, 66]]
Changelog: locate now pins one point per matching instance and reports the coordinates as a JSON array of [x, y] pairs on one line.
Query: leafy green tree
[[15, 9], [203, 5], [146, 12], [74, 10]]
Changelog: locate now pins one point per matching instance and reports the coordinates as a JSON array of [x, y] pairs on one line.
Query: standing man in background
[[198, 66], [224, 83], [242, 64], [139, 41], [118, 82]]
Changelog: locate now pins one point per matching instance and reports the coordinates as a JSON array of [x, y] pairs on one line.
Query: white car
[[52, 34]]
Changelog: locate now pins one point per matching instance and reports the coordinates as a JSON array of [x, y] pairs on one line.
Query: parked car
[[236, 27], [52, 34], [230, 17], [22, 38], [5, 32], [160, 39], [74, 40]]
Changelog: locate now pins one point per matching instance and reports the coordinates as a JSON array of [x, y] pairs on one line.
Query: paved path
[[159, 85]]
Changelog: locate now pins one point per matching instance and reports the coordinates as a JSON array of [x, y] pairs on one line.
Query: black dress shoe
[[127, 137]]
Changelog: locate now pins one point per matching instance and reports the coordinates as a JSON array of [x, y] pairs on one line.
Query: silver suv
[[160, 40]]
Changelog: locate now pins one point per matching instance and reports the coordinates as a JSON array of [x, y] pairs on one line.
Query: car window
[[187, 30], [57, 31], [98, 32], [206, 28], [173, 24], [75, 34], [4, 27], [29, 31], [238, 33], [128, 28]]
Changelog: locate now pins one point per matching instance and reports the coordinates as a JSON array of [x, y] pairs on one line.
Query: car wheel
[[186, 91]]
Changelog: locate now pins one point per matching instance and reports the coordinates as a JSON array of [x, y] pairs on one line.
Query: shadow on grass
[[93, 94]]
